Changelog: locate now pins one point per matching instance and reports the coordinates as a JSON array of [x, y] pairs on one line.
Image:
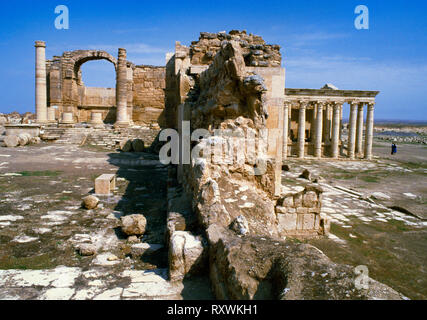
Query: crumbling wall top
[[254, 49]]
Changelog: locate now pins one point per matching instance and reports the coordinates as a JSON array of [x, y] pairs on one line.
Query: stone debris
[[306, 175], [86, 249], [240, 225], [134, 224], [133, 239], [137, 145], [104, 259], [126, 145], [187, 254], [140, 249], [11, 141], [24, 239], [90, 202], [380, 196]]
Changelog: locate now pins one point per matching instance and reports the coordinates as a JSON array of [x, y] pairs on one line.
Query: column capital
[[303, 104], [337, 104], [371, 105], [40, 44]]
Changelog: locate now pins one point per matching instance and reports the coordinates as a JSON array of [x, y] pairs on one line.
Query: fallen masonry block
[[137, 250], [11, 141], [105, 183], [90, 202], [86, 249], [138, 145], [125, 145], [134, 224], [187, 255]]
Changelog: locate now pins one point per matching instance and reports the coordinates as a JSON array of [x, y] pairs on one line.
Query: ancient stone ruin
[[228, 213]]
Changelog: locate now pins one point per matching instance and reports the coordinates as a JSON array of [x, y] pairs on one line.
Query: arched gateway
[[62, 96]]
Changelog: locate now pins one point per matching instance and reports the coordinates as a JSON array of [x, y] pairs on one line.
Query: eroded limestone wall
[[149, 83]]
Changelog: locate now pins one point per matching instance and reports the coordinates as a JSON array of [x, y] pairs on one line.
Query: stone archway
[[78, 99], [82, 56]]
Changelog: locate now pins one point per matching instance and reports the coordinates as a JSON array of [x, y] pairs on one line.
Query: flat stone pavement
[[42, 223]]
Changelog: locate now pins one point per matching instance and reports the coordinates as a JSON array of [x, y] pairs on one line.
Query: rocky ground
[[378, 213], [42, 223], [376, 209]]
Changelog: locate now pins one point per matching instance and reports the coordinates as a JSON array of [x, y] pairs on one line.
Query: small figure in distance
[[393, 149]]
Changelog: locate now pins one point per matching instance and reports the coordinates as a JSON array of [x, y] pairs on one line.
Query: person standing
[[393, 149]]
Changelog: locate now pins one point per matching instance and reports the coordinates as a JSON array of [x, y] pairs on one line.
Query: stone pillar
[[319, 130], [335, 130], [285, 131], [122, 119], [313, 124], [352, 131], [359, 130], [301, 129], [327, 125], [96, 118], [369, 136], [67, 118], [41, 90]]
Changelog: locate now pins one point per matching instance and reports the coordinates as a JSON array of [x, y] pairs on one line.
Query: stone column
[[285, 130], [41, 90], [67, 118], [301, 129], [122, 119], [313, 123], [359, 130], [352, 131], [319, 129], [335, 130], [327, 125], [369, 131]]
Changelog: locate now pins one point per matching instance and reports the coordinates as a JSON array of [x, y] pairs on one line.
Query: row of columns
[[355, 134], [45, 114]]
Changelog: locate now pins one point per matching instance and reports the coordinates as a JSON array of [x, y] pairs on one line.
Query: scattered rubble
[[134, 224], [90, 202]]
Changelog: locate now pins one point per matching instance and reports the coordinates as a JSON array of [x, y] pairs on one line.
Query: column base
[[121, 124], [97, 125]]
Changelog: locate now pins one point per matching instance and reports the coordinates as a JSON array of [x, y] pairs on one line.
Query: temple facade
[[313, 125]]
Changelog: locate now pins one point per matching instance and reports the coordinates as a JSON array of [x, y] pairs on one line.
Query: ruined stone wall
[[65, 89], [226, 208], [254, 49], [149, 83], [245, 105]]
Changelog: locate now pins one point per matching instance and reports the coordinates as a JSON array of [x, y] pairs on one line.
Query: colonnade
[[331, 130]]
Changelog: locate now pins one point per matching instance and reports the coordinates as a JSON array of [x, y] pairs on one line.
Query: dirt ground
[[42, 223]]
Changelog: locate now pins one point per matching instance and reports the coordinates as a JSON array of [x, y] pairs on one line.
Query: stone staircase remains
[[107, 137]]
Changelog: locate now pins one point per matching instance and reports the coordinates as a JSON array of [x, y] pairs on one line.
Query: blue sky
[[319, 42]]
